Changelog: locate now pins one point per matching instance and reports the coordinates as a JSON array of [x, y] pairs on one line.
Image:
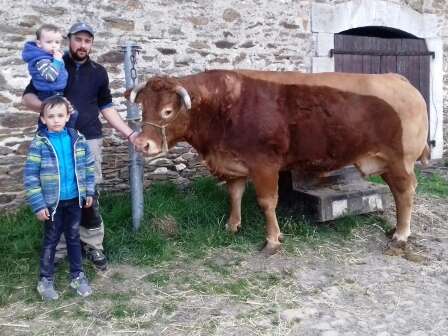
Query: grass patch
[[200, 215], [125, 310], [429, 183], [432, 184], [158, 279], [240, 288], [376, 179]]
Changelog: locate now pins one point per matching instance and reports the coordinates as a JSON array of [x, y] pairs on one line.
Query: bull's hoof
[[390, 233], [233, 228], [396, 248], [281, 238], [271, 248]]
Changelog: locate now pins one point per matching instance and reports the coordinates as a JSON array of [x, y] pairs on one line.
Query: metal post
[[135, 159]]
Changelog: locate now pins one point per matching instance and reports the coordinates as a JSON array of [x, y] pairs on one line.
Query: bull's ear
[[133, 93], [127, 93], [131, 96]]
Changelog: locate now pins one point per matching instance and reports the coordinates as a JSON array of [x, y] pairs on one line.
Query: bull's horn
[[183, 93], [135, 91]]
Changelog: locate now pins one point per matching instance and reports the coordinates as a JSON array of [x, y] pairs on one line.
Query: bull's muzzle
[[149, 147]]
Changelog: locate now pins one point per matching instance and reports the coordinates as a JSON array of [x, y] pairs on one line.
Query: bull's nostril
[[147, 147]]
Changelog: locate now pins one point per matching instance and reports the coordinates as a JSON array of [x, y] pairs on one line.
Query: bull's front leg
[[266, 186], [236, 189]]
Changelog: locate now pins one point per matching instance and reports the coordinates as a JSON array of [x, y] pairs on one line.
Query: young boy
[[46, 66], [59, 178]]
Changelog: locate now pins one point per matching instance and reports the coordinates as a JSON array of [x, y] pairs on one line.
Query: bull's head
[[165, 104]]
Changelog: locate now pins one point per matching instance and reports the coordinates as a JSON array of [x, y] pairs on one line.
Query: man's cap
[[80, 27]]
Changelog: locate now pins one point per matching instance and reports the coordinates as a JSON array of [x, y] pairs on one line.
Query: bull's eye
[[166, 113]]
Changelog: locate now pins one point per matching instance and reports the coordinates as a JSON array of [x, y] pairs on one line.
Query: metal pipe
[[135, 158]]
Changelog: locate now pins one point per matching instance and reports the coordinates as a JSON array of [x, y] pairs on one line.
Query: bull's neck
[[209, 96]]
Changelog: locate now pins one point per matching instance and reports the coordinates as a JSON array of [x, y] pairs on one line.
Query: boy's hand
[[43, 215], [89, 202], [58, 55]]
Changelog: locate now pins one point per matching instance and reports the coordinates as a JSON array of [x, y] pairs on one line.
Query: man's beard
[[77, 57]]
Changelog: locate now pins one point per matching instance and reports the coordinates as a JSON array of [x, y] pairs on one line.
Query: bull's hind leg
[[266, 187], [402, 185], [236, 189]]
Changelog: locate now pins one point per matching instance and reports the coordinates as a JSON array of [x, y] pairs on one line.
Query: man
[[88, 91]]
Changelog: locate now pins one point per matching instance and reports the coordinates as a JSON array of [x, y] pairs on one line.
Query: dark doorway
[[382, 50]]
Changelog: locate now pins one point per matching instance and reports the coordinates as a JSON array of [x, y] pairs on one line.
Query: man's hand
[[89, 202], [31, 101], [71, 109], [133, 136], [58, 55], [43, 215]]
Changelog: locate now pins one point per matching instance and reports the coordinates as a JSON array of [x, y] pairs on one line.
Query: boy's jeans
[[91, 237], [66, 220]]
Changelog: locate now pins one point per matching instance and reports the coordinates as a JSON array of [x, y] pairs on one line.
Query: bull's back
[[385, 103]]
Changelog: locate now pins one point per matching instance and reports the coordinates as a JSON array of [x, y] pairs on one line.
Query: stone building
[[179, 37]]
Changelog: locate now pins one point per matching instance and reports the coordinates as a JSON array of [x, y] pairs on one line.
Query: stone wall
[[178, 37]]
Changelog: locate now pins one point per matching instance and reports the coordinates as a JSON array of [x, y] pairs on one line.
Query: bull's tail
[[424, 156]]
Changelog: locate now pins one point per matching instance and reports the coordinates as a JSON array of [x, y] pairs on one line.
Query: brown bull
[[252, 124]]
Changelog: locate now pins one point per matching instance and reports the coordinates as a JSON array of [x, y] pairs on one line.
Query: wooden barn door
[[364, 54]]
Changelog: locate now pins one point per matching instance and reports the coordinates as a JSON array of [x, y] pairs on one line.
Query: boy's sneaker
[[98, 259], [81, 285], [45, 288]]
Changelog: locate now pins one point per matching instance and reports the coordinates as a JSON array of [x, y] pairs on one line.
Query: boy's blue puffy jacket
[[32, 54], [62, 144], [41, 173]]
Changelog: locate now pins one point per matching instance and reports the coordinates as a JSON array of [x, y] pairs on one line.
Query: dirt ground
[[350, 288]]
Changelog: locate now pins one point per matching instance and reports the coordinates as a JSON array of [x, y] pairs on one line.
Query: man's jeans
[[66, 220]]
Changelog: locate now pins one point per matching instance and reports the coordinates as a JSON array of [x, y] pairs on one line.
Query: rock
[[180, 167], [199, 20], [3, 84], [30, 21], [175, 31], [291, 315], [4, 100], [113, 56], [188, 156], [117, 23], [224, 44], [296, 315], [199, 45], [6, 198], [161, 162], [248, 44], [50, 11], [23, 148], [289, 25], [167, 51], [230, 15], [18, 120], [5, 150]]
